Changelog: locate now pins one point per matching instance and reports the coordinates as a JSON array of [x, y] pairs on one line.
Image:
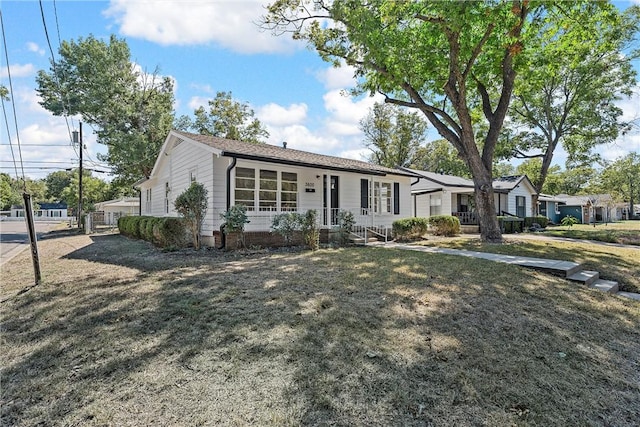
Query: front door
[[331, 200]]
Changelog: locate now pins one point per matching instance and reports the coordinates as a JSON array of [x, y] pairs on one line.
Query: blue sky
[[205, 46]]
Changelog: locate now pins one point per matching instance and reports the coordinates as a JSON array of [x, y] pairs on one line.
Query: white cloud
[[277, 115], [18, 70], [33, 47], [337, 78], [198, 101], [301, 138], [356, 154], [345, 113], [230, 24]]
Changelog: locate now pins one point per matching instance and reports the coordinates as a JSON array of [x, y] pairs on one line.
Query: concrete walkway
[[567, 269]]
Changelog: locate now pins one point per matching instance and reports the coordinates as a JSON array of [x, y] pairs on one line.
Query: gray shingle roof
[[275, 154]]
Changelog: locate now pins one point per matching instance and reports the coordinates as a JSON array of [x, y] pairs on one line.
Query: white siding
[[520, 190]]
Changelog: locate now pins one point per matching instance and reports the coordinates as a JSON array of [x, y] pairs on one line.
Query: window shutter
[[364, 193], [396, 198]]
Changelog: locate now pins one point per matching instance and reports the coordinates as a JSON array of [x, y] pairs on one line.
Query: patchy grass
[[122, 334], [612, 262], [623, 232]]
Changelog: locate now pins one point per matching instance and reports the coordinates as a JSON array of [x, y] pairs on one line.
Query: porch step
[[605, 286], [585, 276], [361, 240]]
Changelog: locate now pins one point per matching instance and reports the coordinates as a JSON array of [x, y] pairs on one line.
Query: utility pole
[[79, 141]]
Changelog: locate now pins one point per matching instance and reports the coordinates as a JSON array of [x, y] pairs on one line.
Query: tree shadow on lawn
[[356, 336]]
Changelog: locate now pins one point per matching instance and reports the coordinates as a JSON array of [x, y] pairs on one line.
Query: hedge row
[[163, 232], [543, 221], [444, 225], [409, 228]]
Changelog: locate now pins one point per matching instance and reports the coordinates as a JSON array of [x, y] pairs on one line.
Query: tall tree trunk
[[485, 203]]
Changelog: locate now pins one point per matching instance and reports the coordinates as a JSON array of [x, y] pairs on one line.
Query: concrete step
[[586, 276], [606, 286], [631, 295], [361, 240]]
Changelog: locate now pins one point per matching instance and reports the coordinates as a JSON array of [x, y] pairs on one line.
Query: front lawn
[[612, 262], [624, 232], [120, 333]]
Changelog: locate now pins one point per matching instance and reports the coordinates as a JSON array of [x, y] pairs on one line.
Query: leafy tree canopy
[[393, 135], [569, 94], [456, 62], [440, 157], [131, 111], [225, 118]]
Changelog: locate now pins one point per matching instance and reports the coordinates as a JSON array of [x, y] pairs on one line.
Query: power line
[[53, 59], [13, 103]]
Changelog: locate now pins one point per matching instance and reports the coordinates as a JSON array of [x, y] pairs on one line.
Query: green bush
[[511, 224], [542, 221], [346, 221], [163, 232], [286, 224], [444, 225], [310, 229], [171, 232], [409, 228]]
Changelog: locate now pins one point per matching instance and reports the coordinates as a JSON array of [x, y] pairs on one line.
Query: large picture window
[[245, 188], [266, 191]]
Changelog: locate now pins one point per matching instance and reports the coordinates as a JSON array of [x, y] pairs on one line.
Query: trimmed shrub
[[163, 232], [171, 232], [511, 224], [409, 228], [542, 221], [444, 225]]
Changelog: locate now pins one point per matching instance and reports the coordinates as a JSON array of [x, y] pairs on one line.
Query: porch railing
[[466, 218]]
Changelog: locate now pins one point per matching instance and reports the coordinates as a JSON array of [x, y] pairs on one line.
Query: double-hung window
[[289, 192], [245, 188], [521, 206], [268, 191]]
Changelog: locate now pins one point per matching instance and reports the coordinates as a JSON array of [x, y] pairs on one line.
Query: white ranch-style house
[[438, 194], [268, 180]]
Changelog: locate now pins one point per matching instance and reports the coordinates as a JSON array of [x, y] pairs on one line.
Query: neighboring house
[[43, 211], [114, 209], [589, 208], [437, 194], [268, 180], [549, 206]]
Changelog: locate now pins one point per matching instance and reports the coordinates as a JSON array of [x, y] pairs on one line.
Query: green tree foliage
[[94, 190], [225, 118], [235, 220], [621, 179], [531, 168], [9, 195], [192, 205], [131, 111], [4, 93], [456, 62], [439, 156], [393, 134], [569, 93], [57, 182]]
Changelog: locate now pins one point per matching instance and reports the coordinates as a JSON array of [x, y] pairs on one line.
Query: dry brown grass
[[122, 334], [613, 262]]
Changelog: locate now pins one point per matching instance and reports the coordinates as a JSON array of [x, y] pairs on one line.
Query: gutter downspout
[[232, 165], [415, 199]]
